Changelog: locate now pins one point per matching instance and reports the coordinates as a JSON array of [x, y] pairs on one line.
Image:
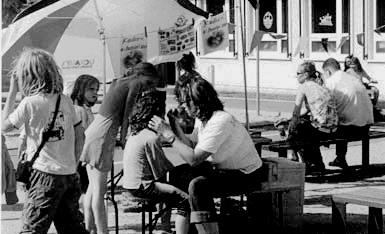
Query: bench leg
[[143, 220], [280, 210], [365, 153], [375, 223], [259, 150], [150, 228], [338, 217]]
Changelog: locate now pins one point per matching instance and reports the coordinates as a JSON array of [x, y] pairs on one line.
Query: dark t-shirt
[[119, 101]]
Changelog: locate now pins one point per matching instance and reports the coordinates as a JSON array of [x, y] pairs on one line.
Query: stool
[[371, 197], [146, 205]]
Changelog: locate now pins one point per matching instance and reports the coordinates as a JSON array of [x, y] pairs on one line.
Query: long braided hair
[[149, 103]]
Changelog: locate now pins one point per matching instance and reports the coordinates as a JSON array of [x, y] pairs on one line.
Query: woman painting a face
[[218, 135]]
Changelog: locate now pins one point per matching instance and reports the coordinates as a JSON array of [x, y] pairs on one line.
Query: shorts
[[99, 145]]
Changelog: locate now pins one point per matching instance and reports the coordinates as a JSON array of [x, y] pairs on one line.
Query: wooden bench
[[281, 147], [372, 197]]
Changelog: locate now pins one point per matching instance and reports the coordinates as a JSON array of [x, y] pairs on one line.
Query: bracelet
[[172, 140]]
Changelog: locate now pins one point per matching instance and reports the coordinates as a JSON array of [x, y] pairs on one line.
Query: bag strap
[[45, 139]]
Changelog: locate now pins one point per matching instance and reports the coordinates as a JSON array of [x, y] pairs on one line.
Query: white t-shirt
[[353, 103], [36, 113], [229, 142]]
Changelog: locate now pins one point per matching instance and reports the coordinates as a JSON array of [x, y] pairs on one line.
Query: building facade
[[297, 31]]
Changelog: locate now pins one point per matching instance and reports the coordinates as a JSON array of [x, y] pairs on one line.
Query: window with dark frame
[[324, 16], [380, 21], [269, 22]]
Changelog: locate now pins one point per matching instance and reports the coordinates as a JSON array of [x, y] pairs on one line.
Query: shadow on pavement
[[355, 173], [322, 223], [15, 207]]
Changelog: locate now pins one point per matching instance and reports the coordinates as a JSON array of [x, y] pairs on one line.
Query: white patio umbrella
[[85, 35]]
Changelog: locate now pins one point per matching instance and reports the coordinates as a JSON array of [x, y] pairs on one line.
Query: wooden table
[[372, 197]]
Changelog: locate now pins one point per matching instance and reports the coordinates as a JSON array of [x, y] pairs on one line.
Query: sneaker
[[339, 163], [315, 168]]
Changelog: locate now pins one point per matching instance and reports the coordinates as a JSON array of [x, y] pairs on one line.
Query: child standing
[[53, 189], [84, 96]]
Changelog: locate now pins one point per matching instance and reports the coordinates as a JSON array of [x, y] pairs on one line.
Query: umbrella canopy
[[85, 36]]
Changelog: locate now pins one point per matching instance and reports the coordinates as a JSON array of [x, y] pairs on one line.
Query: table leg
[[338, 217], [375, 223]]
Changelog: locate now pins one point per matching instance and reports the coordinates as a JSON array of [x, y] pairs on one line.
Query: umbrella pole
[[244, 65]]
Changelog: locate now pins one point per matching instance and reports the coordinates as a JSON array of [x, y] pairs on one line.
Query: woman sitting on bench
[[314, 115], [144, 162], [219, 138]]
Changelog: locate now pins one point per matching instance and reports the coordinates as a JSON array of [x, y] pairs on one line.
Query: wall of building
[[277, 74]]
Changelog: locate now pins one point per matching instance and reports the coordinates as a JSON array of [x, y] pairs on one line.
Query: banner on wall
[[176, 40], [132, 48], [214, 34]]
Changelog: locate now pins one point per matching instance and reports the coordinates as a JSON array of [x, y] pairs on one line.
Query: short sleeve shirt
[[36, 113], [229, 142], [353, 103], [143, 159]]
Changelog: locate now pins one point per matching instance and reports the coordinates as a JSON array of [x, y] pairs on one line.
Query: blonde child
[[54, 189]]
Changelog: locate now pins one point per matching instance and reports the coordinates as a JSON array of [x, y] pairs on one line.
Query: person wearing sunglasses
[[314, 115]]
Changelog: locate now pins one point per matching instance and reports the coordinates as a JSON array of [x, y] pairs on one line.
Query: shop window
[[379, 41], [330, 21], [273, 18]]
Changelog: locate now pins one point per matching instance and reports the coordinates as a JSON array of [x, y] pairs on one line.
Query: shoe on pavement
[[315, 168], [339, 163]]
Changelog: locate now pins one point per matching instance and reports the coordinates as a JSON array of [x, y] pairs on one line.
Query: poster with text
[[176, 40], [133, 50], [214, 34]]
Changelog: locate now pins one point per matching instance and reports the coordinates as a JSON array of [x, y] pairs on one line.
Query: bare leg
[[98, 188], [182, 224], [87, 209]]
